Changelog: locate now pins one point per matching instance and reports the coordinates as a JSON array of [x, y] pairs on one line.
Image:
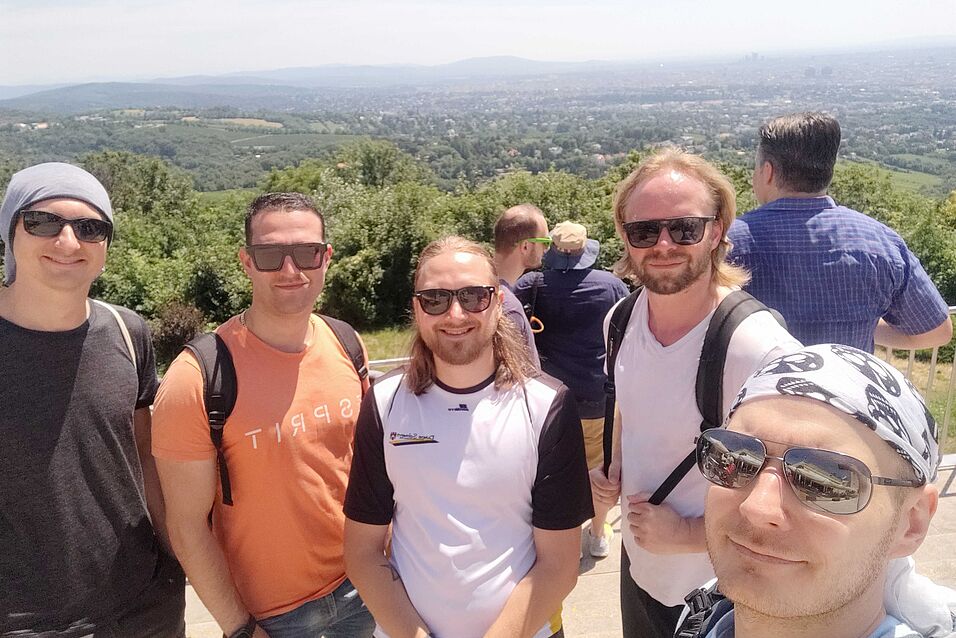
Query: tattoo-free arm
[[538, 595], [887, 335], [377, 581], [190, 489], [142, 431]]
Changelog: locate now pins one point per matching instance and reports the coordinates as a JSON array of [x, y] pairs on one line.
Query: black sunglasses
[[437, 301], [270, 257], [685, 231], [821, 479], [41, 223]]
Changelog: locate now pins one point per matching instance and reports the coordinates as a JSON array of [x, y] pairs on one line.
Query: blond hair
[[722, 197], [512, 360]]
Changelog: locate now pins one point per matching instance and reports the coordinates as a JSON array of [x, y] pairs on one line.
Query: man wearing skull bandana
[[813, 535]]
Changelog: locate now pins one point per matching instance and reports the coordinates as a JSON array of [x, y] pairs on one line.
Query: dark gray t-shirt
[[75, 539]]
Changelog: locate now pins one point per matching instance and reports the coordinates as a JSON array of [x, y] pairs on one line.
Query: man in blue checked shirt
[[836, 275]]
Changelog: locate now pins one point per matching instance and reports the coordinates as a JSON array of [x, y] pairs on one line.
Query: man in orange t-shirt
[[271, 564]]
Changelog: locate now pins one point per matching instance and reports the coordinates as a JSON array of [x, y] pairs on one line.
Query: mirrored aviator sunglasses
[[270, 257], [41, 223], [437, 301], [685, 231], [822, 480]]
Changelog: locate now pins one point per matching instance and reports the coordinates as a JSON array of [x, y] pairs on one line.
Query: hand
[[658, 528], [605, 490], [259, 633]]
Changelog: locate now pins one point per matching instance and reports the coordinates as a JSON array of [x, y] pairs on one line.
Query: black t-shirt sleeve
[[561, 496], [369, 498]]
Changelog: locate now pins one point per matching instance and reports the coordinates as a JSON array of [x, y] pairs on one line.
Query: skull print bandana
[[855, 383]]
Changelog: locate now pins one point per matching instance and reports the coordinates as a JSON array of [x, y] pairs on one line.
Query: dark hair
[[512, 361], [283, 202], [515, 225], [802, 148]]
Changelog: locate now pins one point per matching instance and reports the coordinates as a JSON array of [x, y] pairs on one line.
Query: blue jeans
[[341, 614]]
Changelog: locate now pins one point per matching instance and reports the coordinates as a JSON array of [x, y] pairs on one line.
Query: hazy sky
[[45, 41]]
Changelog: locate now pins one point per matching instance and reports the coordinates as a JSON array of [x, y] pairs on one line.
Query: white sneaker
[[601, 547]]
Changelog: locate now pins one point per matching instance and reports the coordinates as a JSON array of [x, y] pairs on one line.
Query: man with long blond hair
[[673, 213], [477, 463]]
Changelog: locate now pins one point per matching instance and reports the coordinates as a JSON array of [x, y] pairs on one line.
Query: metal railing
[[949, 460]]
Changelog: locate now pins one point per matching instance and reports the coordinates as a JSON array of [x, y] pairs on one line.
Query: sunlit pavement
[[592, 608]]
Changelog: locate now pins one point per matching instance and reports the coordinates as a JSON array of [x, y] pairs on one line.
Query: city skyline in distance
[[55, 42]]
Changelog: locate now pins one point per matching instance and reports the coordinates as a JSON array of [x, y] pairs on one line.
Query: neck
[[782, 193], [286, 333], [670, 317], [509, 268], [468, 375], [857, 619], [45, 310]]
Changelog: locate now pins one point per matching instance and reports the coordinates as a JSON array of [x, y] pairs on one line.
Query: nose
[[67, 238], [764, 504], [288, 265], [455, 310]]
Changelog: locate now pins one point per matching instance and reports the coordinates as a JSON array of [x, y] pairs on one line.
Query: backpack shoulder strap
[[350, 342], [703, 608], [620, 316], [220, 389], [731, 312], [123, 329]]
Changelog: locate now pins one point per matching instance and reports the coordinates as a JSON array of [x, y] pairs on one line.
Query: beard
[[669, 283], [460, 352], [845, 583]]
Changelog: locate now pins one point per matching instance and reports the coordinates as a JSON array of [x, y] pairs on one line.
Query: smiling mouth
[[63, 262], [759, 556], [456, 332]]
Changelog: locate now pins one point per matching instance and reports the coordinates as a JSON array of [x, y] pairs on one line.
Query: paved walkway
[[592, 611]]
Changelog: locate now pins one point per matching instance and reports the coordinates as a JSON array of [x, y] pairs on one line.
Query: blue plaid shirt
[[833, 272]]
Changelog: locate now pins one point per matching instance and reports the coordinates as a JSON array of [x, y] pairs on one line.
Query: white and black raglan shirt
[[463, 476]]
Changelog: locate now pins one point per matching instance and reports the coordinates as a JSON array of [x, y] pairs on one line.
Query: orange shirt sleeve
[[180, 424]]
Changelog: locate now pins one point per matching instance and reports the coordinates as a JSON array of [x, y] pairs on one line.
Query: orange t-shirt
[[288, 446]]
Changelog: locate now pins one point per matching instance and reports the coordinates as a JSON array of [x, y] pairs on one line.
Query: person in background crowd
[[571, 298], [835, 275]]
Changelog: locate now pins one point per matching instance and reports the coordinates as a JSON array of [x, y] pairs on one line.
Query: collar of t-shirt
[[889, 628], [475, 388]]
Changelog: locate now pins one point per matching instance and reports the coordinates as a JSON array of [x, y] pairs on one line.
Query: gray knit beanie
[[46, 181]]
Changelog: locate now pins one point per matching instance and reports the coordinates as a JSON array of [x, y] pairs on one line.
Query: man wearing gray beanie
[[80, 506]]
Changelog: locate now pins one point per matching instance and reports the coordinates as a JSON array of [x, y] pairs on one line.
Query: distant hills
[[303, 89], [281, 89]]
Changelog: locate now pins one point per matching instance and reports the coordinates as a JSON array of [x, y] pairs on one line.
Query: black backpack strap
[[536, 280], [350, 342], [219, 394], [705, 606], [730, 313], [615, 334]]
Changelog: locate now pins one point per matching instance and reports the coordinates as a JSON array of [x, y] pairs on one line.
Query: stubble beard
[[837, 589], [459, 353], [669, 284]]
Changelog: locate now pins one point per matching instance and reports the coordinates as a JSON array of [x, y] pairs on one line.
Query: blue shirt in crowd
[[572, 305], [833, 272]]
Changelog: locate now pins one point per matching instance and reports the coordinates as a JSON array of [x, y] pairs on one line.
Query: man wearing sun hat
[[80, 507], [823, 487], [571, 298]]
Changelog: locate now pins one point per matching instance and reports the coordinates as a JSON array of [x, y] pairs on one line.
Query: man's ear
[[246, 260], [914, 521], [767, 173]]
